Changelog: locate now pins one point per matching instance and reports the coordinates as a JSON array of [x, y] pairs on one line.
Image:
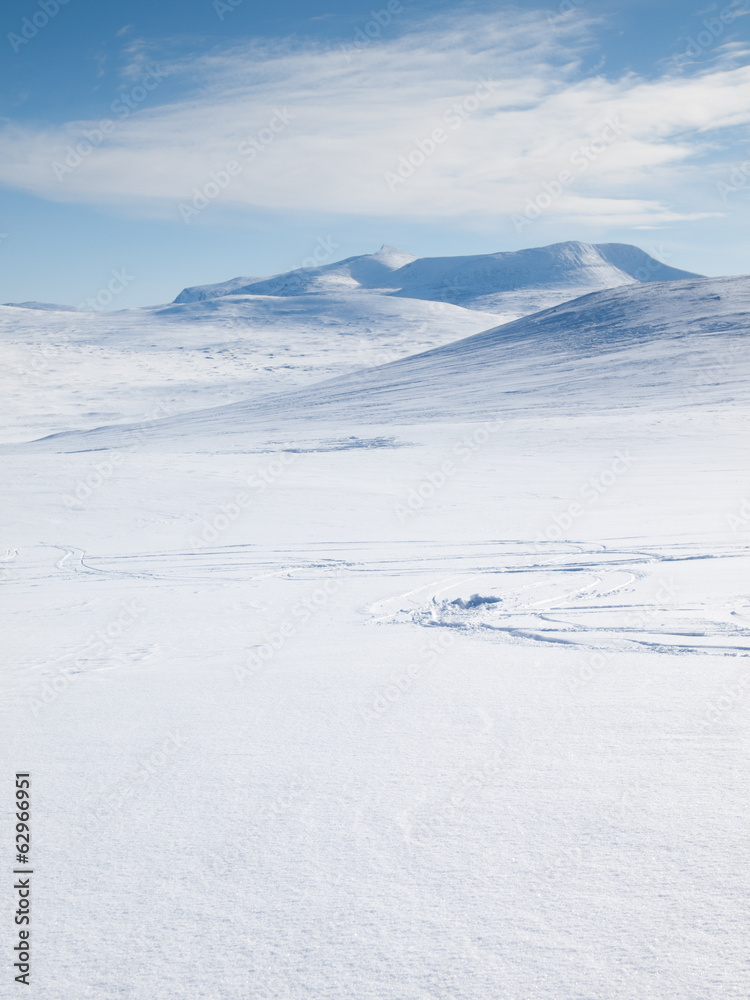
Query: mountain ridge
[[519, 281], [644, 348]]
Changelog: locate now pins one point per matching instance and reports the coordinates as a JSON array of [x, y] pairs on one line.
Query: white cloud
[[356, 114]]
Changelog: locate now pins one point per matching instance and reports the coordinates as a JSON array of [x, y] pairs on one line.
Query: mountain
[[641, 347], [512, 283], [412, 701], [512, 280], [43, 306], [355, 273], [68, 369], [252, 337]]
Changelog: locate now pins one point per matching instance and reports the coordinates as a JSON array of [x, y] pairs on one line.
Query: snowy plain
[[420, 680]]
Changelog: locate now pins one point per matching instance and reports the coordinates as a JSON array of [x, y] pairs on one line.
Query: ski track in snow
[[507, 579], [401, 771]]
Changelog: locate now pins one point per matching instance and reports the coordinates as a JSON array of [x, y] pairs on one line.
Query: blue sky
[[193, 142]]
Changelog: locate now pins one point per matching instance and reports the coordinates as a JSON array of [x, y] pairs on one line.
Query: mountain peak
[[393, 257], [509, 283]]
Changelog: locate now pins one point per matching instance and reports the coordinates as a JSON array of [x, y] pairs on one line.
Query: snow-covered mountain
[[672, 346], [42, 306], [213, 341], [82, 369], [362, 272], [515, 282], [540, 277], [250, 337], [423, 657]]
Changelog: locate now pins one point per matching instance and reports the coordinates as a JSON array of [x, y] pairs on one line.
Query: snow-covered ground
[[249, 337], [425, 681], [78, 369], [664, 346]]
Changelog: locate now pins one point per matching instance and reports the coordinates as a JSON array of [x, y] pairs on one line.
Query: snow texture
[[418, 679]]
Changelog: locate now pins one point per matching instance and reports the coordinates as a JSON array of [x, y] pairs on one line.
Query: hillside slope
[[68, 369], [675, 345]]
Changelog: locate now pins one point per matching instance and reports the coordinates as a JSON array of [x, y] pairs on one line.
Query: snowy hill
[[362, 272], [43, 306], [219, 344], [250, 337], [513, 283], [543, 276], [671, 346], [469, 697], [69, 369]]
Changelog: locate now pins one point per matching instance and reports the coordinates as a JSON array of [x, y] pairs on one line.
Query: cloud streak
[[354, 122]]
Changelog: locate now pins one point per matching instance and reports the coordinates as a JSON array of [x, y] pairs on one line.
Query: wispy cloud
[[356, 120]]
